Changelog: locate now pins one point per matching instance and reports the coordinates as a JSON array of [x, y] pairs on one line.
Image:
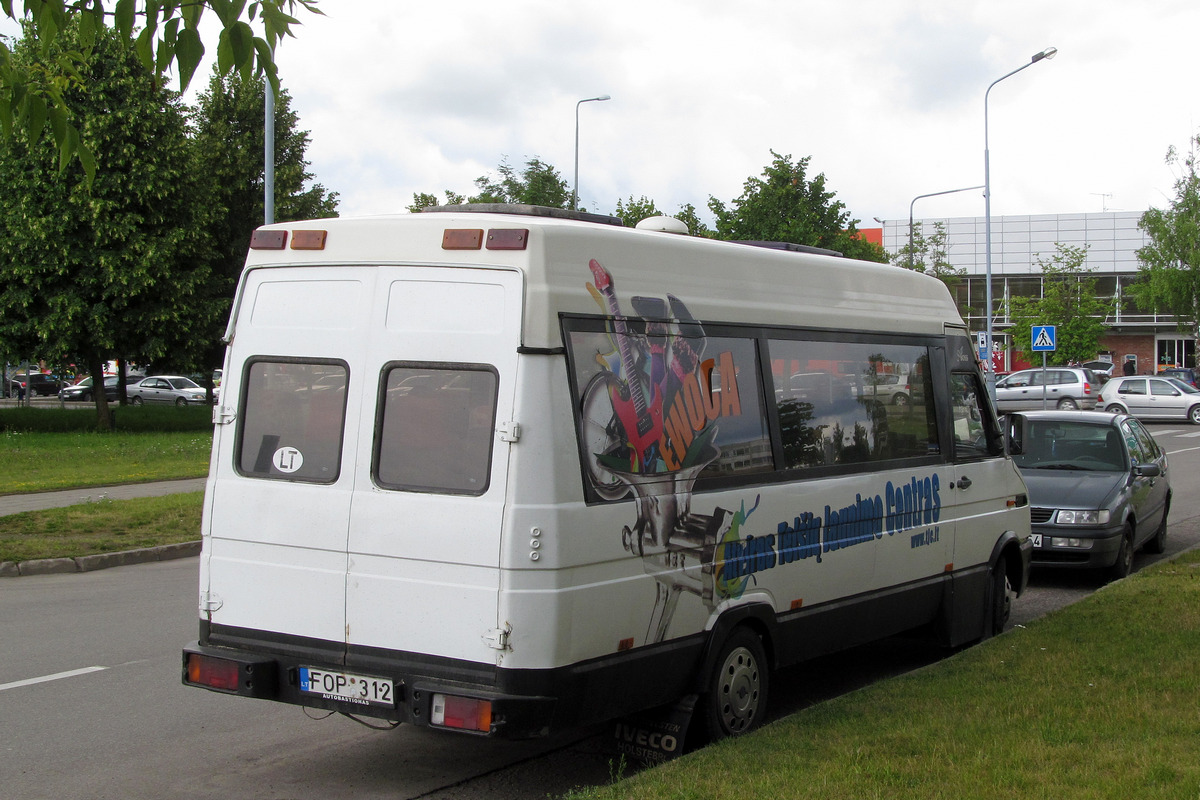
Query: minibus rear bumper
[[382, 694]]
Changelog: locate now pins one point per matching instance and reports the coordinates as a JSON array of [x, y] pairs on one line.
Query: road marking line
[[56, 676], [1184, 450]]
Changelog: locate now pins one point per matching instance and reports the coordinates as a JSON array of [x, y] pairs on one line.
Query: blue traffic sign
[[1043, 338]]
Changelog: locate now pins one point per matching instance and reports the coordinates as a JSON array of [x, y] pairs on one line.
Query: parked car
[[35, 383], [1099, 488], [166, 389], [1065, 388], [1101, 369], [83, 389], [1185, 374], [1147, 397]]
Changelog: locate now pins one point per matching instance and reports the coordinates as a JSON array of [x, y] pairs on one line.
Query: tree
[[539, 184], [785, 206], [108, 268], [633, 211], [1170, 264], [37, 100], [931, 255], [1068, 302], [228, 144]]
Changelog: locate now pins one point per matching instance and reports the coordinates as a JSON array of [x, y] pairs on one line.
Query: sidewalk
[[18, 503]]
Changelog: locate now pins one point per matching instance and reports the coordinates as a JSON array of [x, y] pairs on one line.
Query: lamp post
[[910, 215], [575, 185], [1049, 52]]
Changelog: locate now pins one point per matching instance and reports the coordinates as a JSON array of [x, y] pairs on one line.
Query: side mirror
[[1147, 470]]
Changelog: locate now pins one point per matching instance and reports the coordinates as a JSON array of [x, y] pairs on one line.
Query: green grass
[[1098, 700], [101, 526], [50, 449]]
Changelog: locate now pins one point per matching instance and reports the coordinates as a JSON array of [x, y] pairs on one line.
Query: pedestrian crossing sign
[[1043, 338]]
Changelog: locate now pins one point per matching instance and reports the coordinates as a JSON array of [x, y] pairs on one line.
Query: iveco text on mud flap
[[512, 470]]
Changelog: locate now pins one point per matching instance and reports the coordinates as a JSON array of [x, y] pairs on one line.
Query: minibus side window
[[661, 405], [434, 430], [971, 420], [852, 402], [292, 420]]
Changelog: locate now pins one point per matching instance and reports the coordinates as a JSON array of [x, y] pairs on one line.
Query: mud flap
[[654, 736]]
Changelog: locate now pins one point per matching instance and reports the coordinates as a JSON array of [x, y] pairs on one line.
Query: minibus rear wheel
[[736, 699]]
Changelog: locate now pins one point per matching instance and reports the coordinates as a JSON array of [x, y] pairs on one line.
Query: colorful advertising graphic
[[652, 414]]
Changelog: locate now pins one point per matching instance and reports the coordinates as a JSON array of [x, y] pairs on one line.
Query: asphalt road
[[91, 706]]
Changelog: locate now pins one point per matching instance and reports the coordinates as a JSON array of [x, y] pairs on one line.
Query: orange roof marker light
[[308, 240]]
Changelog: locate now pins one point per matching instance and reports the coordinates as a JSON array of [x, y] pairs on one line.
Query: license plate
[[360, 689], [1036, 538]]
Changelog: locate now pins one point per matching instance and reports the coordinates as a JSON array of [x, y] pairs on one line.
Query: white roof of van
[[718, 281]]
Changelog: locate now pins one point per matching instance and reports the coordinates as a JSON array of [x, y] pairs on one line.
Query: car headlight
[[1089, 517]]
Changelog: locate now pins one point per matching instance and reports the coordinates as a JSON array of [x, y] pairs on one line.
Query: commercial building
[[1112, 239]]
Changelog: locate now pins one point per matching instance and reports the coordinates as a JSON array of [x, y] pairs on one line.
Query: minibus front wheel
[[736, 698]]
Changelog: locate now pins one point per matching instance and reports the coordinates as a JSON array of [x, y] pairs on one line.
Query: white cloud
[[886, 97]]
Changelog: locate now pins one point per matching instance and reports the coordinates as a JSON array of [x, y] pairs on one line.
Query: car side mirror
[[1147, 470]]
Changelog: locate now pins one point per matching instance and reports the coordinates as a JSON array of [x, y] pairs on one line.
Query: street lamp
[[910, 215], [1049, 52], [575, 185]]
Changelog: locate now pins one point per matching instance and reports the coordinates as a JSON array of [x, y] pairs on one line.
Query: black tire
[[900, 399], [1116, 409], [1068, 404], [999, 608], [181, 401], [1158, 542], [736, 698], [1194, 414], [85, 396], [1124, 563], [135, 401]]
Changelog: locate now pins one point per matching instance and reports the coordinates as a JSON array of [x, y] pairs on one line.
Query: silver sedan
[[1147, 397], [169, 389]]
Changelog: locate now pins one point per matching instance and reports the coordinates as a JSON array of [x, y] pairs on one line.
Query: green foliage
[[129, 419], [1170, 264], [931, 255], [633, 211], [96, 270], [40, 99], [228, 145], [538, 184], [785, 205], [1068, 302]]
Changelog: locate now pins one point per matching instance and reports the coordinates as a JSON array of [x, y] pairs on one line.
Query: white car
[[1065, 388], [168, 389], [1148, 397]]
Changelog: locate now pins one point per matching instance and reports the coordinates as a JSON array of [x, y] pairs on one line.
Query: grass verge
[[101, 526], [1098, 700], [42, 462], [46, 449]]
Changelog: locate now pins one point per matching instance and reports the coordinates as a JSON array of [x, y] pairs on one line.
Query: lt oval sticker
[[287, 459]]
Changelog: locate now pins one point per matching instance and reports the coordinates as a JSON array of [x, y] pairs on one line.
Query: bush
[[130, 419]]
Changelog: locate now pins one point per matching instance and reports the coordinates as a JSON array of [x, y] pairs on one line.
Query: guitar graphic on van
[[641, 421]]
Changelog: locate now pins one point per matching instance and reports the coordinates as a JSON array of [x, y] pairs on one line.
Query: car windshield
[[1070, 445], [183, 383]]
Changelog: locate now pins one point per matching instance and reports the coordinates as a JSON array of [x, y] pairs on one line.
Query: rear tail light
[[462, 713], [213, 673]]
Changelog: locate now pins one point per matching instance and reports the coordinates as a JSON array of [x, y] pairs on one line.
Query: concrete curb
[[57, 566]]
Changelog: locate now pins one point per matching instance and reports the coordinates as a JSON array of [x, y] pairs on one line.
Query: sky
[[885, 96]]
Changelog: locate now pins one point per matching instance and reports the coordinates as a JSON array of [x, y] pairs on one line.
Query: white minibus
[[509, 470]]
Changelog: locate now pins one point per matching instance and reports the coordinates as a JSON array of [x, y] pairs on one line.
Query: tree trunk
[[104, 421]]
